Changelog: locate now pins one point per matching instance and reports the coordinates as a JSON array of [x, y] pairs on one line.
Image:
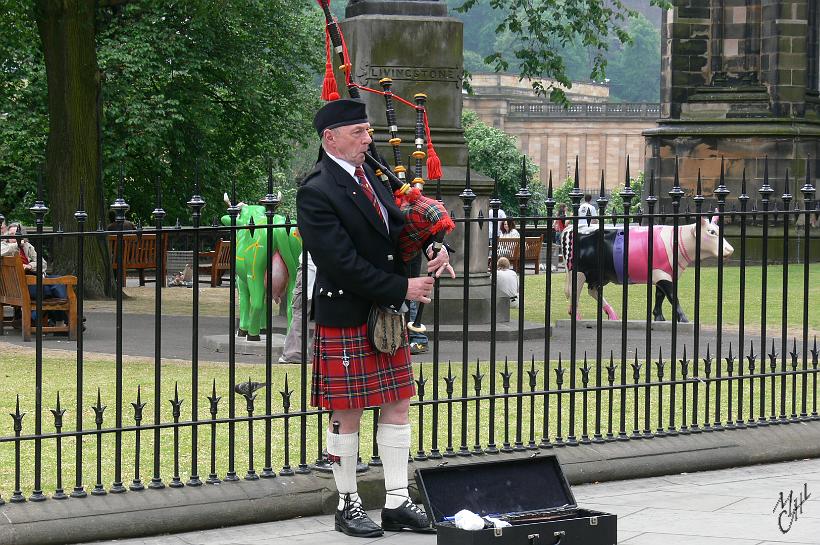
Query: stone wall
[[760, 49], [553, 143]]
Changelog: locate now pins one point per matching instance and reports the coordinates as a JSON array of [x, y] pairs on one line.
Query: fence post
[[523, 196], [467, 197], [39, 210]]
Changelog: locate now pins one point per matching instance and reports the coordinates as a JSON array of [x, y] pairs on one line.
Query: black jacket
[[357, 262]]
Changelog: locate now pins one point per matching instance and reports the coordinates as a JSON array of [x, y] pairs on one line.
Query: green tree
[[156, 87], [189, 87], [542, 30], [23, 121], [67, 32], [561, 193], [635, 72], [616, 203], [495, 154], [473, 62]]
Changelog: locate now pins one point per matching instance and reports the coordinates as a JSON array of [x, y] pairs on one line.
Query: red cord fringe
[[405, 198], [445, 224], [329, 89], [433, 162]]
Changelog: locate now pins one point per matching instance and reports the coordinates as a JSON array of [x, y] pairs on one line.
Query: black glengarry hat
[[339, 113]]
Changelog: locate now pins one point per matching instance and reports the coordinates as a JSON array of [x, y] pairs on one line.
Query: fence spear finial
[[270, 175], [40, 184], [121, 184], [196, 176], [577, 174], [627, 181], [743, 184], [549, 186]]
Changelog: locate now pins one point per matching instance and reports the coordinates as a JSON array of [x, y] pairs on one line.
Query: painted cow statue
[[609, 264], [251, 266]]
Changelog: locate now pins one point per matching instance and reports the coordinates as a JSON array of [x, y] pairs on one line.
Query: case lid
[[495, 487]]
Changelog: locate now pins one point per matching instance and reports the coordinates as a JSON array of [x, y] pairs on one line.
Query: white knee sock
[[394, 449], [345, 447]]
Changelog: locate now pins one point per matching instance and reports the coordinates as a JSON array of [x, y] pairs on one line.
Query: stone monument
[[739, 80], [420, 48]]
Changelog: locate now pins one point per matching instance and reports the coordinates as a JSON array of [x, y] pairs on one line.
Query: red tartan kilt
[[370, 378]]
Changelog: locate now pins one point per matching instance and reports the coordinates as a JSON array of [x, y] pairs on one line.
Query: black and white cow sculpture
[[584, 254]]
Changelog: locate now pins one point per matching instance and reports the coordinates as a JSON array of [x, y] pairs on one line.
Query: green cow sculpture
[[251, 269]]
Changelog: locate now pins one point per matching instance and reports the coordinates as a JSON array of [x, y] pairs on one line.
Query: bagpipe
[[426, 219]]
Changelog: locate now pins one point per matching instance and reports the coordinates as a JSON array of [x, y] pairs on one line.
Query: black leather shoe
[[353, 521], [406, 517]]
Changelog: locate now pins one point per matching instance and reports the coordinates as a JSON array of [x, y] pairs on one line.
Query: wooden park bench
[[217, 262], [138, 253], [14, 283], [510, 248]]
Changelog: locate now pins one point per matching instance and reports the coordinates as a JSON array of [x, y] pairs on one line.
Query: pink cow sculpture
[[584, 255]]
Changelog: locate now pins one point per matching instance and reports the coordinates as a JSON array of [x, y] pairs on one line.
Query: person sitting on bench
[[22, 247]]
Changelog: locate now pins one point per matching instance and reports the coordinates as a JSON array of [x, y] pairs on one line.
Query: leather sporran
[[386, 328]]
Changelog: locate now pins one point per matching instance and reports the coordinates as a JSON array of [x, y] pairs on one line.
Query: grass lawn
[[535, 290], [59, 372], [175, 301]]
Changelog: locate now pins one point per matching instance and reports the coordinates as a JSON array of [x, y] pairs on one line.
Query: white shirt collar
[[348, 167]]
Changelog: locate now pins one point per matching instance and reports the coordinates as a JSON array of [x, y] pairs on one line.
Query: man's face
[[349, 142]]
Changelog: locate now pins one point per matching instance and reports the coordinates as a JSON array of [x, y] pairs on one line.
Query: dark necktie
[[368, 191]]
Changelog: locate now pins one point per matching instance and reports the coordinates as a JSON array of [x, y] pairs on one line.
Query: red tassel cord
[[433, 162], [329, 89]]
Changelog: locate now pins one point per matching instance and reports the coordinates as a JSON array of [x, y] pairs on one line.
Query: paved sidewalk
[[730, 507]]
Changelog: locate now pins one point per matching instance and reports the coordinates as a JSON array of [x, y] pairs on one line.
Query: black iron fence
[[156, 424]]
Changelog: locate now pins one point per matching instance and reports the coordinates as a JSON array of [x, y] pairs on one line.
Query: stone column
[[784, 54], [419, 47], [736, 83]]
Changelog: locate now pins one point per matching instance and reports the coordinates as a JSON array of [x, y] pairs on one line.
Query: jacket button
[[389, 257], [341, 292]]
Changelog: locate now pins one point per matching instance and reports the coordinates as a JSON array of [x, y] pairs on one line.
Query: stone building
[[739, 80], [600, 133]]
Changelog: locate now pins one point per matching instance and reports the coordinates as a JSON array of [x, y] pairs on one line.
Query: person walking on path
[[587, 211], [350, 224], [292, 351]]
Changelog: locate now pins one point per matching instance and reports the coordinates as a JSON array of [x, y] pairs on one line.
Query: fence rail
[[592, 109], [185, 425]]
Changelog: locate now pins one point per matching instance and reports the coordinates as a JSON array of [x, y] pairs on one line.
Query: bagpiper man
[[350, 225]]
